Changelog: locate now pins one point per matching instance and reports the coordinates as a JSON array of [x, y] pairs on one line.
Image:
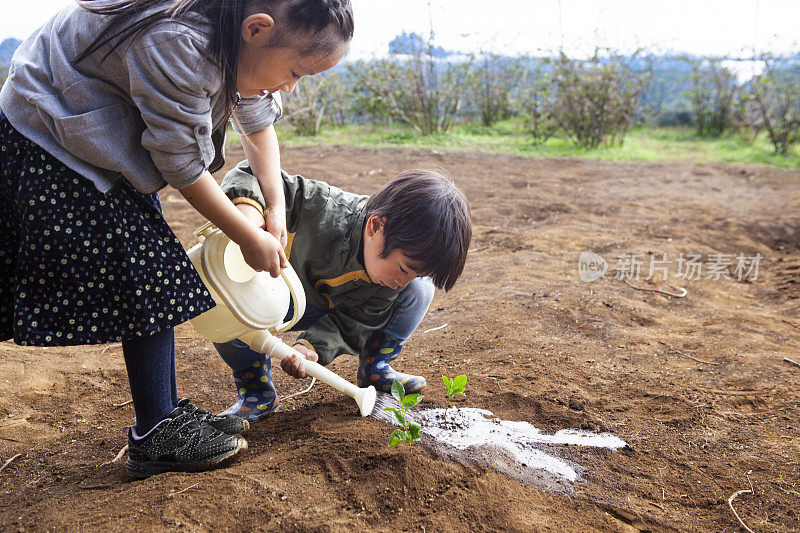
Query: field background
[[695, 386], [672, 155]]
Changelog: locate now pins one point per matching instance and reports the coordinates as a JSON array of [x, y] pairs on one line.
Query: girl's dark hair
[[426, 217], [309, 26]]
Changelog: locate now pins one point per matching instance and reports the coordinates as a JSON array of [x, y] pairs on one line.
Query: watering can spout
[[251, 306], [263, 341]]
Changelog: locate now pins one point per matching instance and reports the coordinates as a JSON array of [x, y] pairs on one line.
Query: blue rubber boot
[[257, 395], [374, 369]]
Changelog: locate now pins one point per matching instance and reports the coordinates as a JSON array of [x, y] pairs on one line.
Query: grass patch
[[641, 144]]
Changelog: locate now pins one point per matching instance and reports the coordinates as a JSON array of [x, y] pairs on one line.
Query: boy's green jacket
[[325, 226]]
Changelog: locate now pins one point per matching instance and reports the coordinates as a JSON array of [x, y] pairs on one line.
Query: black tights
[[150, 362]]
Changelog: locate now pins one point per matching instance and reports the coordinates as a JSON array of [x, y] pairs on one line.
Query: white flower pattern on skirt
[[81, 267]]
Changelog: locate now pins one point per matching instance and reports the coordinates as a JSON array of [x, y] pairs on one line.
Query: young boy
[[368, 267]]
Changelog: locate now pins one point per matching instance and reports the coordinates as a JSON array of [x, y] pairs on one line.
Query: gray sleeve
[[171, 82], [256, 113]]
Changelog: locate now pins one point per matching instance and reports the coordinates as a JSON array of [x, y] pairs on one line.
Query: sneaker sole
[[150, 468], [245, 427]]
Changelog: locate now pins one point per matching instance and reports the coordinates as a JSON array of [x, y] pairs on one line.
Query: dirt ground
[[696, 386]]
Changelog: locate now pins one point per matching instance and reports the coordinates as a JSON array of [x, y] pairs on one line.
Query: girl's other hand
[[263, 252], [276, 223]]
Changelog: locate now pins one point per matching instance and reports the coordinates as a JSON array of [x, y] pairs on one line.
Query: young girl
[[103, 106]]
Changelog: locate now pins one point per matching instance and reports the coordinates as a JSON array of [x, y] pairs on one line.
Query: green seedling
[[411, 430], [453, 387]]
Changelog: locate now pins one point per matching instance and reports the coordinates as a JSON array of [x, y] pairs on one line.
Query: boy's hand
[[294, 366]]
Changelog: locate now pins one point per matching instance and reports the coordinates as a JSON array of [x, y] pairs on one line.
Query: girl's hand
[[275, 218], [263, 252], [260, 249], [293, 365], [262, 151]]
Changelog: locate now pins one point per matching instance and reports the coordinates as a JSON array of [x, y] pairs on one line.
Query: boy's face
[[395, 270]]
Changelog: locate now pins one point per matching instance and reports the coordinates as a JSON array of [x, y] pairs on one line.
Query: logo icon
[[591, 267]]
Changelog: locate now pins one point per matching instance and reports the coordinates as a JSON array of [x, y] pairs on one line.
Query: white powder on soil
[[466, 427]]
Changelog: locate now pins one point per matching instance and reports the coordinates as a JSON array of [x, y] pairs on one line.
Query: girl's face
[[395, 270], [266, 69]]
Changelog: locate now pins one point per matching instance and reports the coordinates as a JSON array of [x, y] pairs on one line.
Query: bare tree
[[313, 99], [774, 104]]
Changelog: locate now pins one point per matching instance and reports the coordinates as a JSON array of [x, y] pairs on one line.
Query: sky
[[702, 27]]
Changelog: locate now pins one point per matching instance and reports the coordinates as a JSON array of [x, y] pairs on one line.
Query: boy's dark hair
[[426, 217], [309, 26]]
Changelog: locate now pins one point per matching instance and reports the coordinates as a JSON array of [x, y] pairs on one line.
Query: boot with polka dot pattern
[[257, 395], [374, 369]]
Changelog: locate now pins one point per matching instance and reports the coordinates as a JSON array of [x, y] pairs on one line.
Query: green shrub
[[712, 96], [492, 81], [417, 89], [596, 100], [315, 99]]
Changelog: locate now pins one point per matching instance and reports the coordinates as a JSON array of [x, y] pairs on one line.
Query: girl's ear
[[257, 28]]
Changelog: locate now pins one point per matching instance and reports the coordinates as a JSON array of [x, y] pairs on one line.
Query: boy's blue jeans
[[409, 309]]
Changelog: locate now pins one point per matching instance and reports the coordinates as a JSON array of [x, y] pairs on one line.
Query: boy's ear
[[374, 224], [257, 28]]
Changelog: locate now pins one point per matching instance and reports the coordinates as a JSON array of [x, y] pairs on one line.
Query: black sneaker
[[180, 442], [229, 424]]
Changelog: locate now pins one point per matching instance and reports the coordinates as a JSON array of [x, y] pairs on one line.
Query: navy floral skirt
[[81, 267]]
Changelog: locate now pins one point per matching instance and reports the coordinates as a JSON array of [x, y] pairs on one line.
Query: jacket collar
[[353, 244]]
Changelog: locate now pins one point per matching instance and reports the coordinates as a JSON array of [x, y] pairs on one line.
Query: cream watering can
[[251, 307]]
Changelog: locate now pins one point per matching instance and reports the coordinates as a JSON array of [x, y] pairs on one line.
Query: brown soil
[[696, 386]]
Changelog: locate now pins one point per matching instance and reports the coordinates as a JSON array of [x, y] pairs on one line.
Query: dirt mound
[[779, 235], [695, 386]]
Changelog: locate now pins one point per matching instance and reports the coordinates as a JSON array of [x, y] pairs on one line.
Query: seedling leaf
[[414, 431], [398, 414], [411, 400], [398, 391], [398, 436], [454, 386], [411, 430]]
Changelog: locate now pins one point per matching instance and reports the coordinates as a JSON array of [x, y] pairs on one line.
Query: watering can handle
[[292, 281], [288, 274]]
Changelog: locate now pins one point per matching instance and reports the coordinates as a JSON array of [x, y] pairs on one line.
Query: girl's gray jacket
[[152, 111]]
